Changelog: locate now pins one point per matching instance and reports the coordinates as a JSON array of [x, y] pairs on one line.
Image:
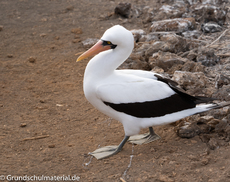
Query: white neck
[[104, 64]]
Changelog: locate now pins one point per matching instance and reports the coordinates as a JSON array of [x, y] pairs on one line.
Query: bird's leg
[[144, 138], [108, 151]]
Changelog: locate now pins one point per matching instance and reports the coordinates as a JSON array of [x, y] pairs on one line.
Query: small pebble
[[205, 161], [32, 60], [23, 125], [76, 40], [10, 55], [76, 30], [69, 8], [193, 141], [42, 101], [57, 38], [51, 146], [44, 19], [1, 27], [42, 35]]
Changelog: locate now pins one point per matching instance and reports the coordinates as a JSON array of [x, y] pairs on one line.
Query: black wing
[[174, 103]]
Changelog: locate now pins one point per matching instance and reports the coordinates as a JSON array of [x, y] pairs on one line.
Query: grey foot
[[104, 152], [108, 151], [144, 138]]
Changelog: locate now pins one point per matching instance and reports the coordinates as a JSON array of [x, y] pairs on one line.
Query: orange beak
[[97, 48]]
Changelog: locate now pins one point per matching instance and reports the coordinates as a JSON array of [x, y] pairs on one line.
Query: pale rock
[[177, 24], [223, 93], [192, 66], [165, 60], [155, 47], [123, 9], [205, 13], [135, 61], [138, 34], [194, 83], [207, 57], [168, 43], [175, 44], [174, 11], [211, 27], [221, 80], [194, 34], [157, 69], [89, 42], [142, 48]]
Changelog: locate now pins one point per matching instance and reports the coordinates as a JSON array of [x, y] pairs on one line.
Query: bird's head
[[114, 37]]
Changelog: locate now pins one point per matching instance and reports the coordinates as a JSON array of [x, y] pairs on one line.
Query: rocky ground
[[48, 127]]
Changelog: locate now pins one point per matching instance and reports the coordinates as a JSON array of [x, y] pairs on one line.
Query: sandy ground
[[47, 127]]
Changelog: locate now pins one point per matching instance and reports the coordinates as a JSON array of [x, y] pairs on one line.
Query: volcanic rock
[[178, 25]]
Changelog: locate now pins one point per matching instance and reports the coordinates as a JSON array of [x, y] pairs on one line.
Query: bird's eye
[[108, 43]]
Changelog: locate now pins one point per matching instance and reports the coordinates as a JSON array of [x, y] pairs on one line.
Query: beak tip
[[97, 48], [79, 59]]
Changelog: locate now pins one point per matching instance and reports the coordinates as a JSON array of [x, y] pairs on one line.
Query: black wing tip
[[202, 99], [166, 80], [174, 85]]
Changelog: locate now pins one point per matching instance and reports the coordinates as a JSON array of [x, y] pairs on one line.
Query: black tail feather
[[220, 105]]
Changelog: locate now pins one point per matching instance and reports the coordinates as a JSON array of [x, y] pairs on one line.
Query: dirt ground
[[47, 127]]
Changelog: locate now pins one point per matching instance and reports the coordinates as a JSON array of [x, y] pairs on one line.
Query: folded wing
[[145, 98]]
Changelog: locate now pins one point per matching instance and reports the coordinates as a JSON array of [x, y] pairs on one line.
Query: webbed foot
[[144, 138], [108, 151]]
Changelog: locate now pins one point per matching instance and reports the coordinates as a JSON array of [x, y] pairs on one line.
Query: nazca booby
[[138, 99]]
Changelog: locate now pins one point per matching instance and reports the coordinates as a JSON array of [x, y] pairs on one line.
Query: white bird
[[138, 99]]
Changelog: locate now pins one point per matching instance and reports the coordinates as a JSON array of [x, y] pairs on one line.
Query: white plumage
[[138, 99]]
